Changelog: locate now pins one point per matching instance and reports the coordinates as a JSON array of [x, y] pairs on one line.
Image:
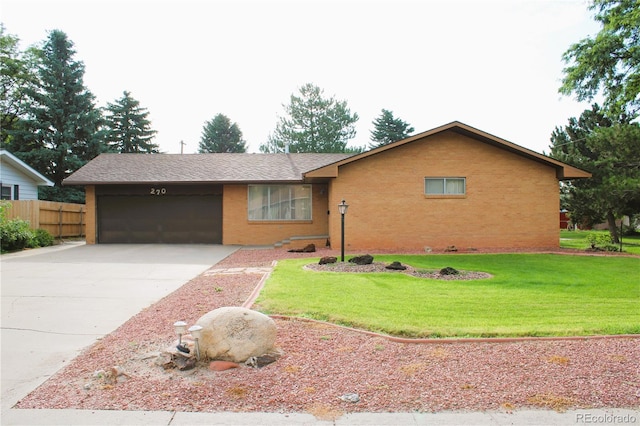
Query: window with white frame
[[279, 202], [445, 186]]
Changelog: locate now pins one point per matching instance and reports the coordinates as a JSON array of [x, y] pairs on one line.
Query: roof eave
[[35, 176], [182, 182], [563, 171], [569, 172]]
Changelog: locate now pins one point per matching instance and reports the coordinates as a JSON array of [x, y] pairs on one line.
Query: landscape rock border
[[382, 268]]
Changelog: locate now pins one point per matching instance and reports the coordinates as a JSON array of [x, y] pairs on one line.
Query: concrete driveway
[[58, 300]]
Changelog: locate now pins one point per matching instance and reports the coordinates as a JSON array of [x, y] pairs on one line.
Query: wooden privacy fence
[[60, 219]]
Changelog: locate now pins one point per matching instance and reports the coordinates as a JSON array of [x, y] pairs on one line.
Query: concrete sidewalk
[[525, 417]]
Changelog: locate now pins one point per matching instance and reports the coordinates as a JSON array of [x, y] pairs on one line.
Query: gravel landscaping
[[321, 364]]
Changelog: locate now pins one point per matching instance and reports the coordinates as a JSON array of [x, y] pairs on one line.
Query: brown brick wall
[[510, 201], [237, 229], [91, 216]]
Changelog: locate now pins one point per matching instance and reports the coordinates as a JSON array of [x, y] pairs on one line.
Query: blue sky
[[495, 65]]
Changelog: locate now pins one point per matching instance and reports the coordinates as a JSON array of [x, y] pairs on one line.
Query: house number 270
[[158, 191]]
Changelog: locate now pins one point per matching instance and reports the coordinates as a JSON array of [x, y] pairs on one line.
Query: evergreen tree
[[220, 135], [128, 128], [387, 129], [61, 126], [609, 151], [313, 124]]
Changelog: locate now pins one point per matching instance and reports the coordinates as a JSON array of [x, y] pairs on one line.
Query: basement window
[[445, 186], [279, 202]]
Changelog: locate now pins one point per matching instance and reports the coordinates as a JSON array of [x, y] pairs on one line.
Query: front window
[[444, 186], [279, 202]]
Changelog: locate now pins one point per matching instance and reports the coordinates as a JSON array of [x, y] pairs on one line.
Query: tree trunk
[[613, 228]]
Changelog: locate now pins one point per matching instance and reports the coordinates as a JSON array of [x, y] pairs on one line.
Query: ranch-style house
[[450, 186]]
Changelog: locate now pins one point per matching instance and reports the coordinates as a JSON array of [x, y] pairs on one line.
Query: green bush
[[42, 238], [15, 234], [601, 242]]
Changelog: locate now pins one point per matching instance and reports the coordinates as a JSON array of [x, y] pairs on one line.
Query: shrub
[[601, 241], [15, 234], [42, 238]]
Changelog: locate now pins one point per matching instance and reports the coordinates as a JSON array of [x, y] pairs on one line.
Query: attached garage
[[165, 214]]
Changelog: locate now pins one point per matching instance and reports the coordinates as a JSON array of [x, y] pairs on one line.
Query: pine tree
[[387, 129], [60, 132], [609, 151], [220, 135], [128, 128], [313, 124]]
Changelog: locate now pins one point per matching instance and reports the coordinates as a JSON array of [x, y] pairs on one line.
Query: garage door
[[165, 219]]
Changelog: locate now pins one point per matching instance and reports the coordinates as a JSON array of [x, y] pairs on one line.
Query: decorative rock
[[235, 334], [396, 266], [261, 361], [309, 248], [327, 259], [164, 360], [350, 397], [222, 365], [449, 271], [365, 259], [183, 363]]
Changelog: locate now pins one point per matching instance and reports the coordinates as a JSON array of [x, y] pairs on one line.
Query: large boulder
[[309, 248], [236, 334], [396, 266], [326, 260], [365, 259]]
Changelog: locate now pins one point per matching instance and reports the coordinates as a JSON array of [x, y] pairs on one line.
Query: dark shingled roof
[[199, 168]]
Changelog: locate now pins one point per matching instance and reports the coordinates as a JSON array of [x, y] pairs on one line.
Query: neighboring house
[[450, 186], [18, 180]]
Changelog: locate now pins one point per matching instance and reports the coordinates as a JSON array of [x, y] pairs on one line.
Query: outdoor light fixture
[[342, 208], [181, 328], [196, 332]]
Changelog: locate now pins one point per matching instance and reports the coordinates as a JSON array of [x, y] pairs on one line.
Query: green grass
[[578, 240], [529, 295]]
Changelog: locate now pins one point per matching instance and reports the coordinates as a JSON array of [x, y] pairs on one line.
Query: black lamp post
[[342, 208]]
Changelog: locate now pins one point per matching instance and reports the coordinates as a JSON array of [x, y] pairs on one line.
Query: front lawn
[[529, 295]]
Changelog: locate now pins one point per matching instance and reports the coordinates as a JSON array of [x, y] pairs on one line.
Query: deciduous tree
[[609, 62], [16, 74]]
